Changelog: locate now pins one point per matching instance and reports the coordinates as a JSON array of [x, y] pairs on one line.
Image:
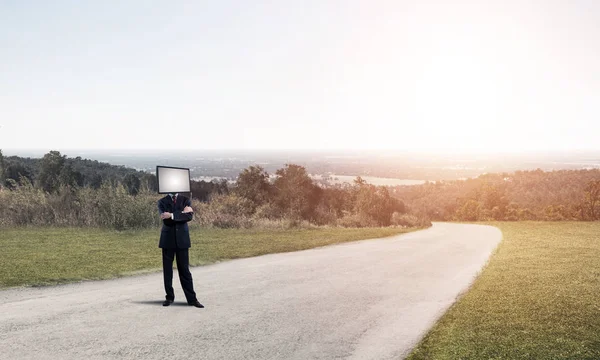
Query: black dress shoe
[[196, 304], [167, 302]]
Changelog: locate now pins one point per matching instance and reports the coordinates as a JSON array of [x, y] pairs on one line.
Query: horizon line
[[309, 150]]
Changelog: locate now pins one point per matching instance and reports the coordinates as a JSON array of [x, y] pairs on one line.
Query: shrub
[[268, 211], [324, 216], [225, 211], [113, 206], [110, 207], [409, 220], [357, 220]]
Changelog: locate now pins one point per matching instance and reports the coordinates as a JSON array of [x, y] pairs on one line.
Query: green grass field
[[46, 256], [538, 298]]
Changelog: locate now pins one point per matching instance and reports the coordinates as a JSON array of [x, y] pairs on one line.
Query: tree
[[132, 183], [296, 194], [51, 167], [253, 184], [359, 181], [205, 190], [1, 168], [375, 202], [592, 199], [495, 201], [469, 211], [14, 171], [201, 190], [70, 177], [149, 182], [223, 187], [337, 200], [96, 181]]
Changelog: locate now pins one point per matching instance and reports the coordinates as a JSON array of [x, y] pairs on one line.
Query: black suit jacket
[[175, 232]]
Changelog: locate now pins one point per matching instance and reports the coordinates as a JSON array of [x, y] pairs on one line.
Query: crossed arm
[[177, 216]]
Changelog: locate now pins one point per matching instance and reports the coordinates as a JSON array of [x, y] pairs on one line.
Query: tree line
[[522, 195], [84, 192], [54, 170], [291, 195], [56, 190]]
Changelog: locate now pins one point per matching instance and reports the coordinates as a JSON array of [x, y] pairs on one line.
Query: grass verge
[[47, 256], [538, 298]]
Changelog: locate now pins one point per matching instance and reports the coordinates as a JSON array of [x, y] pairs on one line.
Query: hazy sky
[[411, 75]]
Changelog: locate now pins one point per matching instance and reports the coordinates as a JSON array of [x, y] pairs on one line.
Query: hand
[[165, 215], [187, 209]]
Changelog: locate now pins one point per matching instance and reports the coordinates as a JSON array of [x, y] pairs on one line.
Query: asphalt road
[[370, 299]]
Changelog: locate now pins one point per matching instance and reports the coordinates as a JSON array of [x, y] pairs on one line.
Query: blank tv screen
[[172, 179]]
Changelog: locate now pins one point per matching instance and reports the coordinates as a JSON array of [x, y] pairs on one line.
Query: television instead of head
[[173, 179]]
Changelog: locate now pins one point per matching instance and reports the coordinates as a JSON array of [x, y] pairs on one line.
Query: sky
[[470, 76]]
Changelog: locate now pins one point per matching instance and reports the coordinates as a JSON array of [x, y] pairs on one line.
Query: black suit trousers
[[183, 269]]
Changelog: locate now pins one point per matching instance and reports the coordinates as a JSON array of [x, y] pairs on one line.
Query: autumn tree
[[375, 202], [469, 211], [592, 199]]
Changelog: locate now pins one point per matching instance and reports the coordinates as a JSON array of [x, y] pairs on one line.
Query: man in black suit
[[175, 211]]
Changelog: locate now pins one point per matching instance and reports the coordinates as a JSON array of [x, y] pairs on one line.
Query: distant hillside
[[54, 170], [522, 195], [82, 172], [383, 164]]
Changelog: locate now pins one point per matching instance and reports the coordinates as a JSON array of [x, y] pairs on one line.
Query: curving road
[[371, 299]]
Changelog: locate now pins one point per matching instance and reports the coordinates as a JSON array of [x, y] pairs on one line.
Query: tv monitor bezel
[[172, 167]]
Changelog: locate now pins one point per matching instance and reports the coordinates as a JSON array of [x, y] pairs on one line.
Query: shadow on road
[[159, 303]]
